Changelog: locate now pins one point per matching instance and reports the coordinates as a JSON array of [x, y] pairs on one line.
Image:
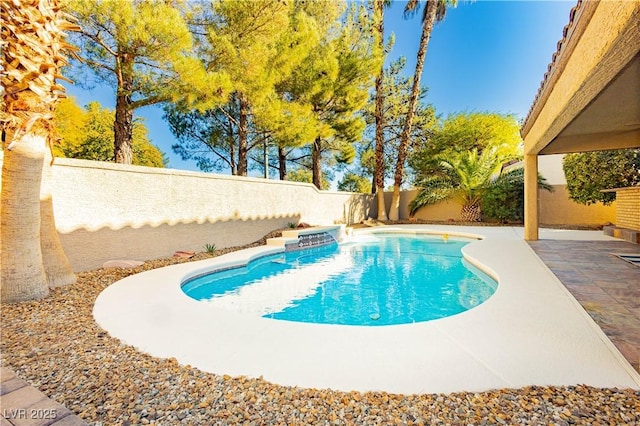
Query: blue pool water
[[373, 280]]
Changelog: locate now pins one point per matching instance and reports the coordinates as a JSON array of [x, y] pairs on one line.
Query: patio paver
[[607, 287], [23, 404]]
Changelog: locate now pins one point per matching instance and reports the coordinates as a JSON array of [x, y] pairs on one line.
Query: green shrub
[[210, 248], [504, 198], [589, 173]]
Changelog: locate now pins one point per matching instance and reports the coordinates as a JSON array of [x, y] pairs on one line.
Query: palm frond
[[411, 8], [472, 171], [441, 9], [516, 177], [432, 190]]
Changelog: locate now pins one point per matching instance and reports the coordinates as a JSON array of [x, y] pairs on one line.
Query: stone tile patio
[[606, 286]]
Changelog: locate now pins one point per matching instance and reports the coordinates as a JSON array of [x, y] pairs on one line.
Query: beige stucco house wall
[[589, 98], [556, 208]]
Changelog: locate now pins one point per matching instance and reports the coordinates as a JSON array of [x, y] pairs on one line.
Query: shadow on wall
[[88, 250], [442, 211], [358, 207], [106, 211]]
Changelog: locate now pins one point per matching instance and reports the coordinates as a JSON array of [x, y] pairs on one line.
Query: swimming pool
[[530, 332], [385, 279]]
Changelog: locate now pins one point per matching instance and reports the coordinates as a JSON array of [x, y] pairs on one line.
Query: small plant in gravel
[[210, 248], [291, 225]]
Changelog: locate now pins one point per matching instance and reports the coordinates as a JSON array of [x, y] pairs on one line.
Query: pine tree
[[334, 79], [257, 44], [396, 93], [85, 134], [142, 48]]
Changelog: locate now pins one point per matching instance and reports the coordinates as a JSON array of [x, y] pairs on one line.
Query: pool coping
[[530, 332]]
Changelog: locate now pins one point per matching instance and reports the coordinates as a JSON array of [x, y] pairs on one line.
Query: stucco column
[[531, 197]]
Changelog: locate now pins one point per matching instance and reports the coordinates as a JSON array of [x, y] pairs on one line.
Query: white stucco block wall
[[110, 211]]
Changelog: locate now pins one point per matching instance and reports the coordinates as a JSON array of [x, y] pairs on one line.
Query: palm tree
[[465, 176], [378, 8], [57, 268], [32, 54], [434, 12]]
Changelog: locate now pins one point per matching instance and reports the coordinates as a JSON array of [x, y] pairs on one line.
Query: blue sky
[[484, 56]]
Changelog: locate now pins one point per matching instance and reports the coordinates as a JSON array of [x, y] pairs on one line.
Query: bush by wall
[[504, 198]]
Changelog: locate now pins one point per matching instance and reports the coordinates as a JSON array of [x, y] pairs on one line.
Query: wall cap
[[624, 188]]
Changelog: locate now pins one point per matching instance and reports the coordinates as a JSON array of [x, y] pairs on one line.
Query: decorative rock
[[184, 254], [107, 382], [123, 264]]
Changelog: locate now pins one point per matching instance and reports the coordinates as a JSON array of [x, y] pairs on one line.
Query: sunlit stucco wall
[[556, 208], [110, 211]]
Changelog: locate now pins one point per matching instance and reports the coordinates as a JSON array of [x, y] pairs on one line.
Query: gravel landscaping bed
[[56, 346]]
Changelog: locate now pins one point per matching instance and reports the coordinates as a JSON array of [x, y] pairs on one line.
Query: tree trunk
[[282, 163], [382, 207], [123, 125], [266, 158], [232, 149], [36, 34], [56, 265], [427, 27], [379, 116], [22, 273], [394, 208], [243, 131], [471, 212], [316, 157]]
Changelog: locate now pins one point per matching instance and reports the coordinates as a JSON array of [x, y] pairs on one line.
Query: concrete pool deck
[[530, 332]]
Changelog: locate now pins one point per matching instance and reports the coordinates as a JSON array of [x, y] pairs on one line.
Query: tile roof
[[552, 67]]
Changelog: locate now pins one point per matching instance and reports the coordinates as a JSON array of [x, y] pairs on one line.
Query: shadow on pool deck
[[607, 287]]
